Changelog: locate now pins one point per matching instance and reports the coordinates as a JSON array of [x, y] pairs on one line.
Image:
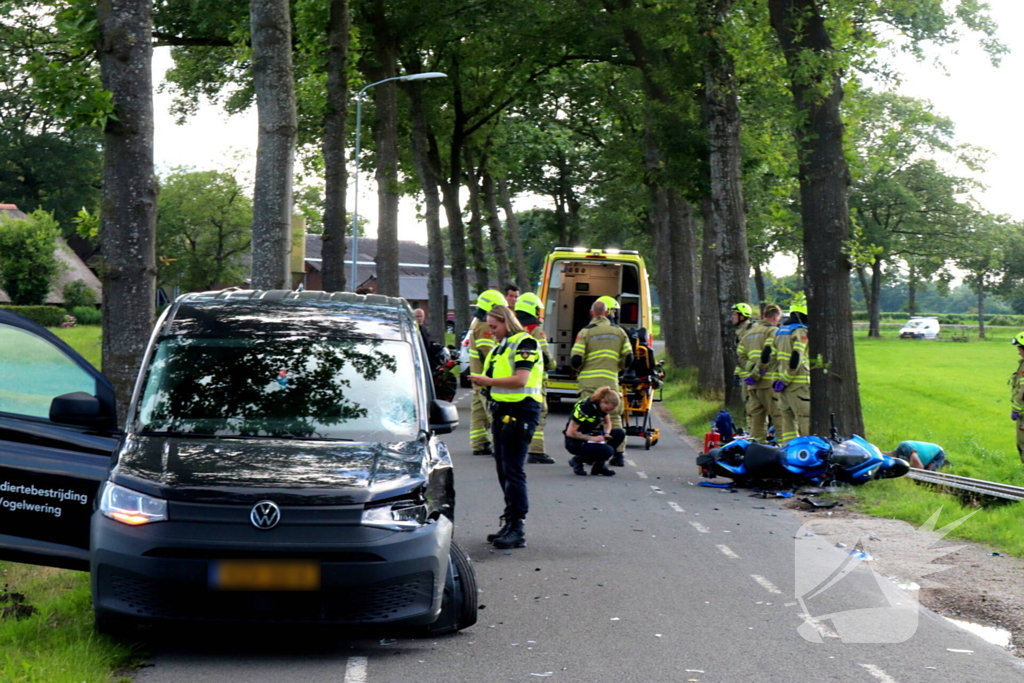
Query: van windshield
[[356, 389], [914, 324]]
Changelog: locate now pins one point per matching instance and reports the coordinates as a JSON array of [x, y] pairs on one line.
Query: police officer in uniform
[[1017, 395], [600, 352], [514, 378], [529, 310], [754, 373], [589, 435], [792, 370], [480, 344]]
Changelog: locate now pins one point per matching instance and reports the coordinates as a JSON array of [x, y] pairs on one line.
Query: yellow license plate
[[265, 575]]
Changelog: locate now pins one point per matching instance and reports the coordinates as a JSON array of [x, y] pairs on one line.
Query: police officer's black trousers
[[511, 439], [587, 453]]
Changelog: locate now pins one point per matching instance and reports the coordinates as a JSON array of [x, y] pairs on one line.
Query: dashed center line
[[728, 552], [675, 506], [878, 673], [766, 584], [642, 475], [700, 527], [823, 630], [355, 670], [657, 489], [631, 463]]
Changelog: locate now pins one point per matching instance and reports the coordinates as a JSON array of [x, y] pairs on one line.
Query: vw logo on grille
[[265, 514]]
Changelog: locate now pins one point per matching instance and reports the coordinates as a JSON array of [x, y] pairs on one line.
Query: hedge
[[87, 315], [47, 316]]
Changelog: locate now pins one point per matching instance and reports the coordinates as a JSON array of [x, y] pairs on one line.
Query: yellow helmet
[[743, 309], [529, 303], [490, 298], [799, 304], [1018, 340], [609, 302]]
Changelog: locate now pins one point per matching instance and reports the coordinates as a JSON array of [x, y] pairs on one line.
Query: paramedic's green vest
[[501, 363]]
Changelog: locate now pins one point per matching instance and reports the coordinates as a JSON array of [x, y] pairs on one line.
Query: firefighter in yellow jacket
[[792, 384], [481, 344], [530, 311], [600, 352], [1017, 395], [754, 373]]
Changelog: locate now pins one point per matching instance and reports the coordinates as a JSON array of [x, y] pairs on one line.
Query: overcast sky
[[985, 102]]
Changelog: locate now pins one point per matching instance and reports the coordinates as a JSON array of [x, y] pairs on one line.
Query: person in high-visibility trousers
[[530, 310], [1017, 395], [514, 379], [792, 385], [601, 351], [480, 344], [759, 400]]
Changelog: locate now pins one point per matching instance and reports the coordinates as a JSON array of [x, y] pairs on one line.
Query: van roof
[[233, 312]]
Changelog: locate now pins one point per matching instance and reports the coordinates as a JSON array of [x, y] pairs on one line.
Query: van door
[[53, 453]]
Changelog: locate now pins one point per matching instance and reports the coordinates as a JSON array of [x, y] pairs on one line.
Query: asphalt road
[[639, 577]]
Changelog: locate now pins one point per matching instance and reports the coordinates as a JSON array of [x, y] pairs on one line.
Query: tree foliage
[[28, 262]]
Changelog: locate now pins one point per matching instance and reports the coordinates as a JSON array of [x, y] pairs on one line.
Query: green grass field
[[953, 394]]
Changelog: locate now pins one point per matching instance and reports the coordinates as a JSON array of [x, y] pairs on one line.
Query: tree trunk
[[824, 178], [494, 227], [722, 118], [476, 230], [432, 215], [912, 291], [865, 288], [271, 29], [515, 238], [981, 306], [709, 368], [683, 247], [335, 131], [385, 133], [762, 299], [128, 201], [875, 316]]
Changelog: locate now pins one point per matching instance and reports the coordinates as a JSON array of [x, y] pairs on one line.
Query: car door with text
[[57, 434]]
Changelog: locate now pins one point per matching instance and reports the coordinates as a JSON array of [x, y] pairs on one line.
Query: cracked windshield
[[284, 388]]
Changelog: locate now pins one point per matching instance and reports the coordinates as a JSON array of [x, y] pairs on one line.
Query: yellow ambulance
[[573, 279]]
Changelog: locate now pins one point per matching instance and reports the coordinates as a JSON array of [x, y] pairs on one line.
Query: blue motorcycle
[[804, 461]]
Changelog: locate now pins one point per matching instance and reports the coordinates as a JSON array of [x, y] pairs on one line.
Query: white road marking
[[700, 527], [728, 552], [355, 670], [657, 489], [766, 584], [631, 463], [642, 475], [675, 506], [878, 673]]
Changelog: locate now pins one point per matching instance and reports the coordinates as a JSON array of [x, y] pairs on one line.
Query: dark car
[[280, 463]]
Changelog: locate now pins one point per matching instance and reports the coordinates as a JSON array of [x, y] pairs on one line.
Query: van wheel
[[459, 605]]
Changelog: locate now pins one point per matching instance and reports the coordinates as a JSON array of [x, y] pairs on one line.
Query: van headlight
[[131, 507], [400, 515]]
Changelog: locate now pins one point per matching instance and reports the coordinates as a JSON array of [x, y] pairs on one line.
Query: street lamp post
[[359, 126]]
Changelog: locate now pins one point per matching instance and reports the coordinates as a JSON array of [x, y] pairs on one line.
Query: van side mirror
[[81, 409], [444, 417]]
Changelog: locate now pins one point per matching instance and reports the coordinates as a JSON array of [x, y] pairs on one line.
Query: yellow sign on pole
[[298, 257]]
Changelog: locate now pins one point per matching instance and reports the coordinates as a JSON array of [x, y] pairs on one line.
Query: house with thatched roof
[[73, 268]]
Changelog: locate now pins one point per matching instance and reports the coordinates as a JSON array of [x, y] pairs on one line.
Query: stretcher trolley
[[638, 383]]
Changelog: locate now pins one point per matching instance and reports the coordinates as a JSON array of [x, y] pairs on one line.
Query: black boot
[[514, 536], [505, 521], [540, 458], [577, 467], [600, 469], [617, 460]]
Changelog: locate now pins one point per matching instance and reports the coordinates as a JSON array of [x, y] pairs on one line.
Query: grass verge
[[56, 642]]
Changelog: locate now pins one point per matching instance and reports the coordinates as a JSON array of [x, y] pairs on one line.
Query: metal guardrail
[[985, 488]]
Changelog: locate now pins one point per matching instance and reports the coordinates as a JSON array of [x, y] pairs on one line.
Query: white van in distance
[[920, 327]]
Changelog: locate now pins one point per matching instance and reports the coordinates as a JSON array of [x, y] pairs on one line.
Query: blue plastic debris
[[712, 485]]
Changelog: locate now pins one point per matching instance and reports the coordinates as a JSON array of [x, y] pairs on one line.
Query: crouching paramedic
[[513, 376], [600, 352], [589, 435]]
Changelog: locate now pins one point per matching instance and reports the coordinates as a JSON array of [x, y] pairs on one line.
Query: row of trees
[[690, 128]]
